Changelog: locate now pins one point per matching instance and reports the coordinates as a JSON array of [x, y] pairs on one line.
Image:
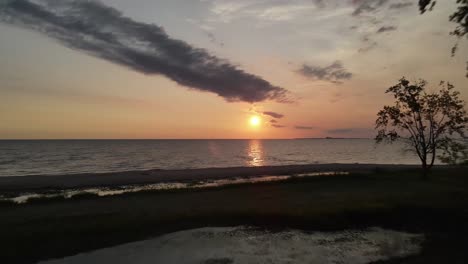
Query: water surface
[[31, 157]]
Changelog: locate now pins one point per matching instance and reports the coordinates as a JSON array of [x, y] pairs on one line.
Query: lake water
[[31, 157]]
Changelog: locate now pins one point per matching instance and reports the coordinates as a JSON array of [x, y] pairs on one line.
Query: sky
[[146, 69]]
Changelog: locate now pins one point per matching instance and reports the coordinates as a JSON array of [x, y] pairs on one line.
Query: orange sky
[[51, 91]]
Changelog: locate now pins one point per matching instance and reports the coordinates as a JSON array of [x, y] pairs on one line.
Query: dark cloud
[[368, 43], [273, 114], [278, 126], [401, 5], [386, 29], [304, 127], [334, 73], [273, 121], [367, 6], [104, 32]]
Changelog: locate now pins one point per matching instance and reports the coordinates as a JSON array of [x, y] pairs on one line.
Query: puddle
[[108, 191], [250, 245]]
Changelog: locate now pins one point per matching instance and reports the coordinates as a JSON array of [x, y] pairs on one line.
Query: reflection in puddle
[[107, 191], [250, 245], [255, 153]]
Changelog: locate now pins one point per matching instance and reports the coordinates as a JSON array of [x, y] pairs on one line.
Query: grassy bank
[[398, 200]]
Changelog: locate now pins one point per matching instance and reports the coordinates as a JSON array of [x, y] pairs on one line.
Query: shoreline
[[399, 201], [109, 179]]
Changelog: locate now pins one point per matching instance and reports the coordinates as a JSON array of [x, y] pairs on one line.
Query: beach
[[233, 132], [41, 182], [395, 199]]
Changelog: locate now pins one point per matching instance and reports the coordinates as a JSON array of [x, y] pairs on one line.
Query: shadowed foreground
[[56, 228], [68, 181], [228, 245]]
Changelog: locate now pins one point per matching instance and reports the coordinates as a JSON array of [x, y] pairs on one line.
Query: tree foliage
[[460, 16], [454, 153], [425, 5], [427, 121]]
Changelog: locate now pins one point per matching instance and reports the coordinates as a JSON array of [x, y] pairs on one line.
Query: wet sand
[[402, 201], [227, 245], [38, 182]]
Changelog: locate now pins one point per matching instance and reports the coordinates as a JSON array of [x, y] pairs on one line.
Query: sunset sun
[[254, 121]]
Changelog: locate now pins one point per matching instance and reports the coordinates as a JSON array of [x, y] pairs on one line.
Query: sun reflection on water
[[255, 152]]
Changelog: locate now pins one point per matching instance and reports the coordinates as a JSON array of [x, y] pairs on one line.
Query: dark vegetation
[[398, 200], [429, 122]]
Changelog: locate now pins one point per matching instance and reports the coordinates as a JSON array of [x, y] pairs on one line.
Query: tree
[[425, 5], [426, 121], [454, 153], [460, 16]]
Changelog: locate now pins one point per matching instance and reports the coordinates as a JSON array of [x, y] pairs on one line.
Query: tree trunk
[[425, 171]]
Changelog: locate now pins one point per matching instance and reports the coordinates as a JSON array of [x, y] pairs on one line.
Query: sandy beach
[[38, 182], [46, 229]]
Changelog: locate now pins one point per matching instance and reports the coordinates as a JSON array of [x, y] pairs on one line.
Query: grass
[[438, 207]]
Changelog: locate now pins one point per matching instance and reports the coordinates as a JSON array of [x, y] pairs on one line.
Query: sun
[[254, 121]]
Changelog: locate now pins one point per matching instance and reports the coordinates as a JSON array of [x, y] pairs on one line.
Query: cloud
[[334, 73], [304, 127], [320, 3], [273, 121], [401, 5], [386, 29], [214, 40], [273, 114], [227, 11], [367, 6], [368, 44], [278, 126], [104, 32], [284, 12], [200, 24]]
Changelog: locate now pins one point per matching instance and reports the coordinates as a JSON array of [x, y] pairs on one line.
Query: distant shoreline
[[69, 181], [168, 139], [335, 138]]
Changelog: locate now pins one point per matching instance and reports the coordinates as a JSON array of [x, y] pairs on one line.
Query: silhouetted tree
[[425, 5], [454, 153], [427, 122], [460, 16]]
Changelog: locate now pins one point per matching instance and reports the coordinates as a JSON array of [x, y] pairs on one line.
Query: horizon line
[[51, 139]]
